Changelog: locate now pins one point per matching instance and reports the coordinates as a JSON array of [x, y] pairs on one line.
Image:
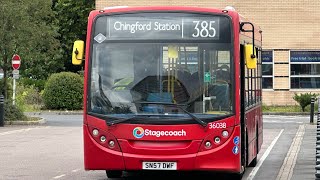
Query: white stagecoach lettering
[[149, 132]]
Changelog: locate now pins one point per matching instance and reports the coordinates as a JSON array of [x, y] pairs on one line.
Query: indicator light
[[208, 144], [217, 140], [103, 139], [111, 144]]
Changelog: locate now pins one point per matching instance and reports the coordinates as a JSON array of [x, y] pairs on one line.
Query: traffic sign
[[16, 61], [15, 74]]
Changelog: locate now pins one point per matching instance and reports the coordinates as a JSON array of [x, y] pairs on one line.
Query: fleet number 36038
[[217, 125]]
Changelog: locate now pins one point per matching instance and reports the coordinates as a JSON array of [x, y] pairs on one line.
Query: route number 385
[[204, 29]]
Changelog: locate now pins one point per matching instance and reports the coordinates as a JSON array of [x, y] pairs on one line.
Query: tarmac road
[[54, 151]]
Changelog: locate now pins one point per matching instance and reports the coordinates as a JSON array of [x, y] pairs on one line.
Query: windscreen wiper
[[202, 123], [119, 120]]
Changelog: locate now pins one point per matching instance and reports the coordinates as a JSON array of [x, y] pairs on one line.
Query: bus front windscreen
[[156, 68]]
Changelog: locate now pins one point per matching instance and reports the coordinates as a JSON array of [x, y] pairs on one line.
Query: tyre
[[237, 176], [114, 174], [253, 162]]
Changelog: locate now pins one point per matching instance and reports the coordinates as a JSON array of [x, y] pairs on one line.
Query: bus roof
[[231, 11], [161, 8]]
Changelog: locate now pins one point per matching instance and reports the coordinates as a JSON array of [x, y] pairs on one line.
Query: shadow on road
[[165, 175]]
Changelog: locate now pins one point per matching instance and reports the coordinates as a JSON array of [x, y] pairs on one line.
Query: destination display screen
[[164, 26]]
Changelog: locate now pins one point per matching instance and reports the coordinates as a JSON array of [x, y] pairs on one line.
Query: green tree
[[72, 19], [26, 29], [304, 99]]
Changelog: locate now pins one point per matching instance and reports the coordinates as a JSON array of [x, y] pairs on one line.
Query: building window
[[267, 69], [305, 69]]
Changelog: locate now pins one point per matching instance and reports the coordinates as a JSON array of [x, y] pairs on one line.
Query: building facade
[[291, 41]]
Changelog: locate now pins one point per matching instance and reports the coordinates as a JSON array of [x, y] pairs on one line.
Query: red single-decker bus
[[171, 88]]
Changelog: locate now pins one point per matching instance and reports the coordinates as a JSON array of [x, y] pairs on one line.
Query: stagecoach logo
[[139, 132]]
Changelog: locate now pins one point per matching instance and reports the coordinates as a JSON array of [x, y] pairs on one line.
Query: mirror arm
[[77, 52], [252, 31]]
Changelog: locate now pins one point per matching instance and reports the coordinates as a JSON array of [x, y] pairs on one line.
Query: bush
[[28, 98], [64, 91], [37, 83], [13, 113], [304, 99]]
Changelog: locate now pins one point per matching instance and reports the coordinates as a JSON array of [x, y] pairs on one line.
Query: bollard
[[319, 108], [311, 110], [1, 110], [317, 171], [317, 174]]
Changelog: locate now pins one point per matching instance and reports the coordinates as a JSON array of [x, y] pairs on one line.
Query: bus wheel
[[237, 176], [253, 162], [114, 174]]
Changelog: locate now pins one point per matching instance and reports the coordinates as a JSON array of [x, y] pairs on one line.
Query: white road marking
[[20, 130], [76, 170], [280, 121], [264, 156], [60, 176], [290, 160]]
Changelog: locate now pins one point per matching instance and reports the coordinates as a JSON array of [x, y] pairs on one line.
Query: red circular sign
[[16, 61]]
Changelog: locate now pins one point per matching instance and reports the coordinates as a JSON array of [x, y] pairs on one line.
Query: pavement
[[304, 168]]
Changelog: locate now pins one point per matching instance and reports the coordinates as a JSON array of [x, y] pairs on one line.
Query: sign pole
[[16, 61], [14, 91]]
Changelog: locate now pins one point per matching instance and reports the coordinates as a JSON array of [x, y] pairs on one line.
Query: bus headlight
[[95, 132], [104, 138], [225, 134]]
